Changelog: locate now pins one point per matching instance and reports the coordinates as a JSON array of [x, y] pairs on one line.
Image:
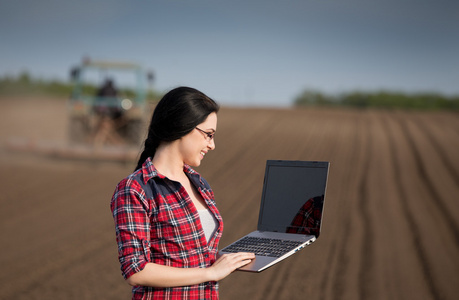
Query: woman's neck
[[168, 162]]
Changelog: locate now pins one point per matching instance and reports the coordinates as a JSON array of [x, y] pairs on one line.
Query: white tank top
[[209, 223]]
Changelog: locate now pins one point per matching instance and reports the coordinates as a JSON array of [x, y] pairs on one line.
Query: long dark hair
[[176, 115]]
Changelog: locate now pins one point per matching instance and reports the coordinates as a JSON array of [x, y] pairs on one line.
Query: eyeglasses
[[210, 135]]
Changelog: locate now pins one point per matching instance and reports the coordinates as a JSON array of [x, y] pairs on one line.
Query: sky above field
[[259, 52]]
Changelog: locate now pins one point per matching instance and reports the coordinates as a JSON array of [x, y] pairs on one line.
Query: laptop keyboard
[[262, 246]]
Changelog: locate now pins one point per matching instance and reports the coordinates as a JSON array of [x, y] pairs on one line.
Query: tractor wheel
[[79, 130], [134, 132]]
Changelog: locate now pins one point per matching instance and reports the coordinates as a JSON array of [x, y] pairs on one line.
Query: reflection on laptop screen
[[293, 198]]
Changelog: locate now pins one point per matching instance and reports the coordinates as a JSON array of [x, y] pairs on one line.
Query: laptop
[[290, 215]]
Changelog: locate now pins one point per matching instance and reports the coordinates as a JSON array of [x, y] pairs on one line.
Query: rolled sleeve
[[130, 211]]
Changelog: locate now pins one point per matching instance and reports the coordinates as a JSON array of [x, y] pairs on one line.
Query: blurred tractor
[[110, 115]]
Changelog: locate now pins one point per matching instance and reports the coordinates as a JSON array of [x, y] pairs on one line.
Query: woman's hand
[[228, 263]]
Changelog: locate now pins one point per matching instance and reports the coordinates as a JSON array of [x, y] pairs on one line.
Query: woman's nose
[[211, 144]]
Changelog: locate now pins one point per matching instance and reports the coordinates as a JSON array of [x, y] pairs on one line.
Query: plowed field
[[391, 220]]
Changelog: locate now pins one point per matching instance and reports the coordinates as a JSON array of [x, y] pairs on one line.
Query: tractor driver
[[108, 113]]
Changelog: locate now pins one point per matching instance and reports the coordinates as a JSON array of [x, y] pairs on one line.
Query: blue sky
[[243, 52]]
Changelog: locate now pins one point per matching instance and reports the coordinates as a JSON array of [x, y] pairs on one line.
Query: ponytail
[[149, 150]]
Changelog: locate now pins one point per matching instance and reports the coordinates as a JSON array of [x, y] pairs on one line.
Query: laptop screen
[[293, 197]]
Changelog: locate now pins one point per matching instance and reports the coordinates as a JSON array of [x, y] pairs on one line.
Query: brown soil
[[391, 221]]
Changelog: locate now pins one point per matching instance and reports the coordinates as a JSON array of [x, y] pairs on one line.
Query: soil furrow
[[277, 281], [439, 149], [335, 258], [364, 196], [53, 269], [423, 258], [430, 187], [339, 281]]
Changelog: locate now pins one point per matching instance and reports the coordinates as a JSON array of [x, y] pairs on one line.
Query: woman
[[167, 224]]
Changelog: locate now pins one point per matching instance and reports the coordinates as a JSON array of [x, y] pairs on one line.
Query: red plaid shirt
[[157, 222]]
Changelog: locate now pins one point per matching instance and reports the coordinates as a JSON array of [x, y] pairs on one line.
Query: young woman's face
[[195, 145]]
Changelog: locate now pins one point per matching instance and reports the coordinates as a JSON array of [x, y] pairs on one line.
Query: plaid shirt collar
[[149, 171]]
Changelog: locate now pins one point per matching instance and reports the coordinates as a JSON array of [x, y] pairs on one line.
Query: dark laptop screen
[[293, 197]]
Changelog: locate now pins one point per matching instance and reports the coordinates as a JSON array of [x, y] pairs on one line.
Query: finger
[[246, 261], [236, 260], [247, 254], [246, 257]]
